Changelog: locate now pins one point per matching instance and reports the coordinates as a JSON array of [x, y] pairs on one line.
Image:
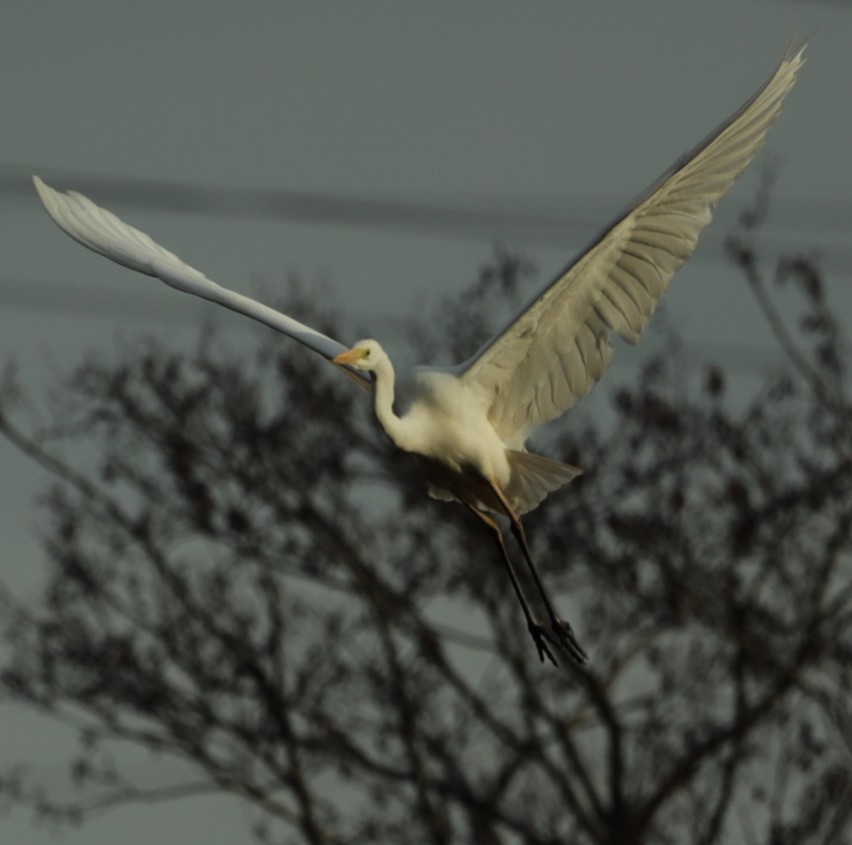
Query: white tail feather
[[533, 477]]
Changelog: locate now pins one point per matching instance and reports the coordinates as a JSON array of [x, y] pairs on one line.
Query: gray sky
[[534, 108]]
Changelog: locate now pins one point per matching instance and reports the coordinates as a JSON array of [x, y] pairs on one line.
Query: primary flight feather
[[466, 426]]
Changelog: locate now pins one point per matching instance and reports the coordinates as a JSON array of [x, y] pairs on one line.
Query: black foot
[[540, 638], [562, 637], [566, 640]]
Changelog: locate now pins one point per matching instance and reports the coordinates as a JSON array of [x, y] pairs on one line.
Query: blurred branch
[[238, 581]]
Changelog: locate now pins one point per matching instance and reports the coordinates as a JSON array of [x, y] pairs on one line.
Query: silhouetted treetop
[[242, 574]]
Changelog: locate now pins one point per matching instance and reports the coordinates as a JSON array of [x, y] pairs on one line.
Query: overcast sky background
[[561, 111]]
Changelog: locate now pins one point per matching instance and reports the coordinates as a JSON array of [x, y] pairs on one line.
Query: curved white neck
[[383, 395]]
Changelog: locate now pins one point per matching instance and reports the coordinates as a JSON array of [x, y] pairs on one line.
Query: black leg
[[536, 629], [562, 630]]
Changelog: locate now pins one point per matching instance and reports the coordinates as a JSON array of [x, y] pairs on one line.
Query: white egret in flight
[[466, 425]]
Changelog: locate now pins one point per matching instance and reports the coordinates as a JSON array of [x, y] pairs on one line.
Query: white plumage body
[[445, 426]]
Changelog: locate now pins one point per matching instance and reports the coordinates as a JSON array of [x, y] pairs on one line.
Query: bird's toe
[[568, 641], [540, 638]]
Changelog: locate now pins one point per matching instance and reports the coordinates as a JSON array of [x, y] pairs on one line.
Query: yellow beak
[[350, 356]]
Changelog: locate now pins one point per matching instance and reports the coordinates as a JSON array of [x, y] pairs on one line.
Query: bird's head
[[364, 355]]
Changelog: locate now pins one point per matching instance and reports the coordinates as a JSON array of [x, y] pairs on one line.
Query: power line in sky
[[549, 221], [89, 301], [545, 223]]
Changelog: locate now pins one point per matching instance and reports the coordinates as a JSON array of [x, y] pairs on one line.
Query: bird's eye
[[366, 353]]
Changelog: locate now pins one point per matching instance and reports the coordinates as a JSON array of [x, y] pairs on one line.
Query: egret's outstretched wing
[[103, 232], [554, 351]]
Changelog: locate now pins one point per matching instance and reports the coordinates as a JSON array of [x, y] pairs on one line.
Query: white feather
[[557, 347]]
